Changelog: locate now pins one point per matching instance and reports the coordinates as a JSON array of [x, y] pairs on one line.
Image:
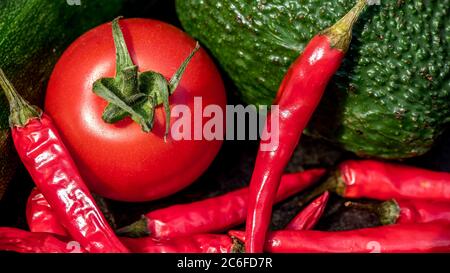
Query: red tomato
[[120, 161]]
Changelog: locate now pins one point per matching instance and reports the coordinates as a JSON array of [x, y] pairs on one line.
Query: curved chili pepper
[[199, 243], [17, 240], [38, 208], [383, 181], [50, 165], [310, 215], [213, 214], [40, 216], [412, 238], [209, 215], [407, 211], [298, 97]]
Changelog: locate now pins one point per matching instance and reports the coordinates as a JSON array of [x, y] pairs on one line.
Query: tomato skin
[[120, 161]]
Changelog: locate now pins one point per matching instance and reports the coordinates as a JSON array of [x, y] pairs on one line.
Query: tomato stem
[[176, 78], [135, 94], [123, 58], [126, 81]]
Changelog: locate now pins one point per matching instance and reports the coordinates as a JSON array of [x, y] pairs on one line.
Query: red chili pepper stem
[[407, 211], [21, 111], [340, 34], [136, 229], [333, 183], [387, 212], [238, 246]]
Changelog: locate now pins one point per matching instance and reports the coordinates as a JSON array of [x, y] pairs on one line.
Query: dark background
[[233, 166]]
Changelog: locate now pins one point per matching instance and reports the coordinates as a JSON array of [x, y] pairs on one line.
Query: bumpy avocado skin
[[391, 97]]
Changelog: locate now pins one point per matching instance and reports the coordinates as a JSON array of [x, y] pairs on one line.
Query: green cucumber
[[391, 97]]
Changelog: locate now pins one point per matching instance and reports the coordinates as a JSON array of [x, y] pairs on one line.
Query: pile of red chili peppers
[[63, 217]]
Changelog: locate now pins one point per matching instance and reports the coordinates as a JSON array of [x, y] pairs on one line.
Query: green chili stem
[[20, 110]]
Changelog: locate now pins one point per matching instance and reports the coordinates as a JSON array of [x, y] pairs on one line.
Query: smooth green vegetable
[[390, 99], [33, 33]]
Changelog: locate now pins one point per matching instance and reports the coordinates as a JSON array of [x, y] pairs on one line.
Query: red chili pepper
[[206, 216], [55, 174], [407, 211], [310, 215], [17, 240], [40, 216], [213, 214], [198, 243], [384, 181], [298, 97], [412, 238], [38, 208]]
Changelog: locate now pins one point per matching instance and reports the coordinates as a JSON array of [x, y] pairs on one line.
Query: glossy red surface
[[219, 213], [53, 171], [209, 215], [421, 211], [430, 237], [309, 216], [200, 243], [17, 240], [383, 181], [40, 216]]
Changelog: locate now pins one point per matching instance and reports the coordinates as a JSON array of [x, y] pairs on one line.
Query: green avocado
[[391, 97]]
